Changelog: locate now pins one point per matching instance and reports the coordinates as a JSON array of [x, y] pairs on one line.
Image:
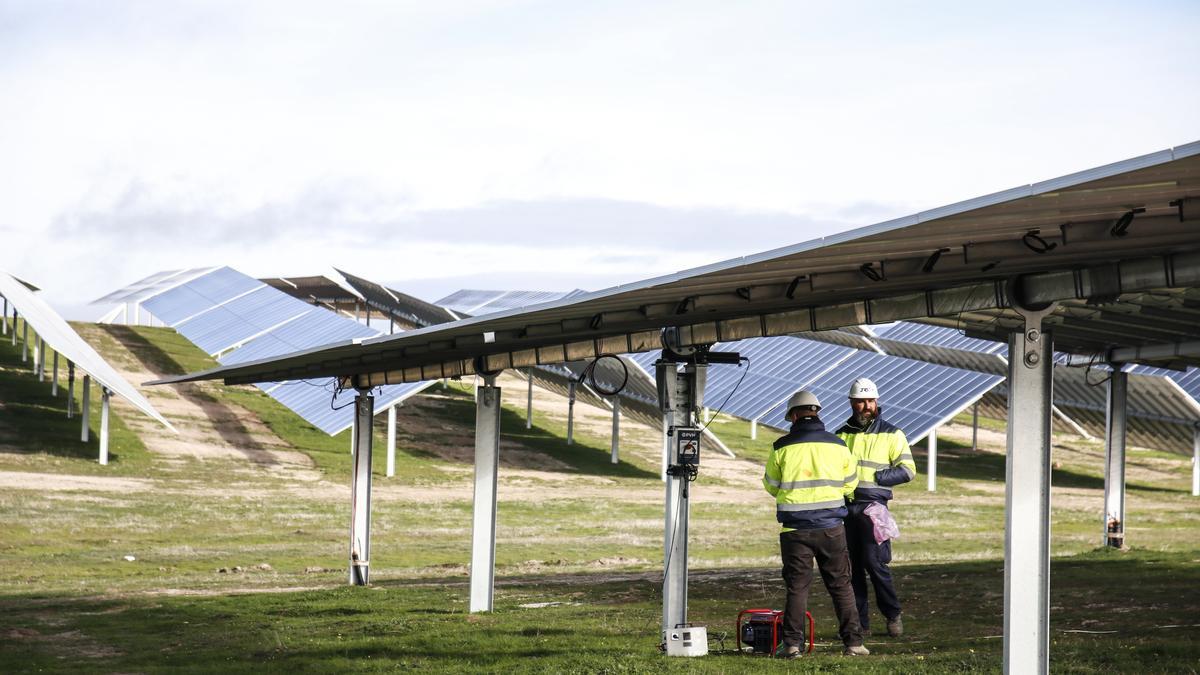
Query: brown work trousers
[[828, 546]]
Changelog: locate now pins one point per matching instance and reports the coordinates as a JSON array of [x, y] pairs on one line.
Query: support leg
[[1027, 501], [104, 397], [391, 446], [483, 526], [616, 432], [571, 413], [1114, 459], [4, 317], [87, 404], [39, 359], [360, 490], [529, 401], [931, 470], [675, 562], [975, 426], [1196, 462], [54, 376], [70, 389], [754, 430]]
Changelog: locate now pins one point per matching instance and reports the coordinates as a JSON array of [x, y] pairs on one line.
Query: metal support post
[[570, 413], [975, 426], [931, 469], [137, 314], [4, 317], [360, 490], [483, 524], [754, 429], [391, 446], [1027, 498], [1196, 462], [87, 404], [529, 401], [616, 433], [13, 335], [54, 378], [1114, 459], [681, 413], [70, 389], [39, 359], [104, 396]]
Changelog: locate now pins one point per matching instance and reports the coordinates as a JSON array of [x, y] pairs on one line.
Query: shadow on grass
[[1110, 611], [32, 420], [225, 419]]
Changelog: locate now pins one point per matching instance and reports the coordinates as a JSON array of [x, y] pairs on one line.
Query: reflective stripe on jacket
[[810, 472], [884, 458]]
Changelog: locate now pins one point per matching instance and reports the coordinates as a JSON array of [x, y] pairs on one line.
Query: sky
[[433, 146]]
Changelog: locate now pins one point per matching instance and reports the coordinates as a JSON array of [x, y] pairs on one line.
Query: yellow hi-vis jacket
[[884, 458], [810, 472]]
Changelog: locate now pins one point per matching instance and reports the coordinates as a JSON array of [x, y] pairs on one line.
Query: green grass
[[588, 536]]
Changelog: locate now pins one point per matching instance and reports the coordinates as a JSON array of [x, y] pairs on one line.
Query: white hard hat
[[863, 388], [803, 398]]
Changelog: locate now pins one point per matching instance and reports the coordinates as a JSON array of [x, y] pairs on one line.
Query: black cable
[[731, 393], [589, 371]]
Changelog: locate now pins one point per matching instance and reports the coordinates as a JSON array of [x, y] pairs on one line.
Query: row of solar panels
[[238, 318], [1163, 404]]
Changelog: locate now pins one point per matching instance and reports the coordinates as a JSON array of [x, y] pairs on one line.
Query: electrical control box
[[687, 641], [687, 446]]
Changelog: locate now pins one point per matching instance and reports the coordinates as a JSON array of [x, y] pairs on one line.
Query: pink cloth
[[884, 524]]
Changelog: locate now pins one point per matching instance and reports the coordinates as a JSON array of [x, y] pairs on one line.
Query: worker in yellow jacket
[[884, 460], [810, 473]]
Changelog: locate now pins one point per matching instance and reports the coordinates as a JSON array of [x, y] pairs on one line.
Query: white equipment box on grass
[[689, 641]]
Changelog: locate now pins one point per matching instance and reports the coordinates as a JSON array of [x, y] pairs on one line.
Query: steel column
[[675, 554], [39, 359], [87, 404], [483, 525], [1114, 459], [4, 317], [360, 490], [391, 442], [570, 413], [616, 432], [1027, 500], [104, 396], [70, 388], [975, 426], [1196, 462], [931, 469], [24, 342], [54, 379], [754, 429], [529, 400], [13, 335]]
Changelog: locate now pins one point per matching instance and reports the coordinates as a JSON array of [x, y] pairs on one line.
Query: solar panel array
[[151, 285], [240, 319], [913, 395], [916, 396], [476, 302]]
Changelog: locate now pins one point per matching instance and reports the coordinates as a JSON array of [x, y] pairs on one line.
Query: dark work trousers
[[870, 558], [828, 546]]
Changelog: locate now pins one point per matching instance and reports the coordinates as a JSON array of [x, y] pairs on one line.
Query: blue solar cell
[[199, 294], [241, 319], [478, 303], [913, 395], [313, 401], [937, 336], [314, 329], [1188, 381]]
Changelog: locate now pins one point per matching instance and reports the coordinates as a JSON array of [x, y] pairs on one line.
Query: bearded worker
[[884, 460], [810, 473]]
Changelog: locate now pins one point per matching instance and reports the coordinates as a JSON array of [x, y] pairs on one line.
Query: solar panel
[[1188, 381], [200, 294], [477, 302], [913, 395], [242, 318], [150, 286], [937, 336], [310, 330], [314, 401]]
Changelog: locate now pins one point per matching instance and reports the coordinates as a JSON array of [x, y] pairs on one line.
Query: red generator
[[763, 630]]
